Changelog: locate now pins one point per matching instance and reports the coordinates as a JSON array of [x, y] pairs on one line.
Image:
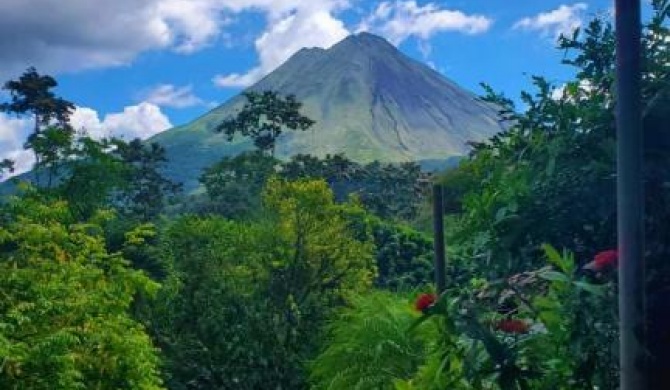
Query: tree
[[321, 259], [53, 147], [112, 173], [95, 174], [145, 190], [551, 178], [248, 300], [391, 191], [403, 255], [264, 118], [32, 95], [64, 313], [234, 184]]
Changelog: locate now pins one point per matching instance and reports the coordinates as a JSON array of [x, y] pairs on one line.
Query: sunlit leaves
[[247, 300], [65, 322]]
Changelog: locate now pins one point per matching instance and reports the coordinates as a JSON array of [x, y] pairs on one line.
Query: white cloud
[[563, 20], [192, 23], [168, 95], [558, 92], [278, 9], [301, 24], [139, 121], [294, 24], [583, 89], [13, 133], [56, 35], [403, 19]]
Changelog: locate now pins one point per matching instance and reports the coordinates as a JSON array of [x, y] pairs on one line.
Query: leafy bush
[[64, 314], [544, 329], [404, 256], [247, 300], [551, 176], [369, 346]]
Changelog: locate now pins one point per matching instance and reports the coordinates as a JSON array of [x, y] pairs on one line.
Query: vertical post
[[630, 195], [438, 241]]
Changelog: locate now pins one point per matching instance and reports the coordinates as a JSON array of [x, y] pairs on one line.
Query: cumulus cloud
[[57, 35], [563, 20], [301, 24], [138, 121], [192, 23], [400, 20], [13, 133], [168, 95], [294, 24]]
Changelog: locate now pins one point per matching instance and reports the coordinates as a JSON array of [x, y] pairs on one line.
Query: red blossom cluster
[[512, 326], [605, 260], [424, 301]]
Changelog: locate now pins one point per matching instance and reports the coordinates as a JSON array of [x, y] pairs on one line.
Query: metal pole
[[630, 195], [438, 241]]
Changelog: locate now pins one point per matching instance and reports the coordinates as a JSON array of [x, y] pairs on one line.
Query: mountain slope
[[369, 100]]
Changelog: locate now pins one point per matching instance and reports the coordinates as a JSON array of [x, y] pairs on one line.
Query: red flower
[[512, 326], [424, 301], [605, 260]]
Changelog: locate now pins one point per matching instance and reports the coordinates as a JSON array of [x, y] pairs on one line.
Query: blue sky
[[138, 67]]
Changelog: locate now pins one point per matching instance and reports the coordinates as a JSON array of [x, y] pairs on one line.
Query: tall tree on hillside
[[118, 174], [146, 190], [234, 184], [388, 190], [32, 95], [264, 118], [94, 174]]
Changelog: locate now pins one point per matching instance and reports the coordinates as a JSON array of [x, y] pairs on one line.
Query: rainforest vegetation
[[317, 272]]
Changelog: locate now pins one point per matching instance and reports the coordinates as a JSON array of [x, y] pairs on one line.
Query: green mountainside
[[370, 102]]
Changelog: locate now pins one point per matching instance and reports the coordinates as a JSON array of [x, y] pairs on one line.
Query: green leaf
[[594, 289], [564, 262], [419, 321], [554, 276], [552, 255]]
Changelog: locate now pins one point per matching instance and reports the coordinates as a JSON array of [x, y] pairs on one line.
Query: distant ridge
[[370, 101]]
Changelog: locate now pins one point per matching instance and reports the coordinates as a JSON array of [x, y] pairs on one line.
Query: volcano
[[369, 100]]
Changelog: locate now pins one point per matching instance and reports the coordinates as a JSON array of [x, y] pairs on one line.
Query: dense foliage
[[301, 273], [249, 298], [231, 303], [391, 191], [65, 321], [550, 336], [551, 177], [370, 346], [519, 314]]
